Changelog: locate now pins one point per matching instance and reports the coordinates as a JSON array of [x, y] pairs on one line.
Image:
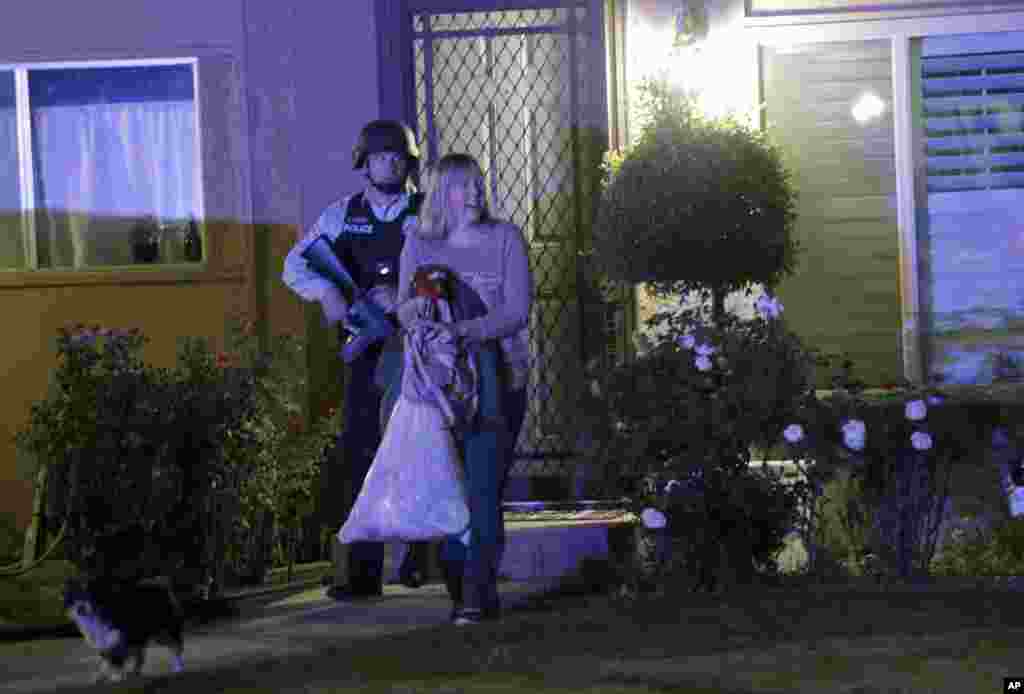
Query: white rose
[[854, 434], [702, 363], [1017, 501], [916, 410], [653, 519], [794, 433], [768, 307], [921, 441]]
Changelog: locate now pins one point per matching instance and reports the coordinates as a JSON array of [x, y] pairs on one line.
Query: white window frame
[[899, 28], [26, 174]]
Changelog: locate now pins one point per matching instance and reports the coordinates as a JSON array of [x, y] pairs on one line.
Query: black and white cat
[[120, 620]]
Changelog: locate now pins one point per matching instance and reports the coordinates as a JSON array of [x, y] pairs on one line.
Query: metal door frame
[[395, 59], [396, 70]]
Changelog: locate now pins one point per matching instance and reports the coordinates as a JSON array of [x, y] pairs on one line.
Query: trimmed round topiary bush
[[696, 204]]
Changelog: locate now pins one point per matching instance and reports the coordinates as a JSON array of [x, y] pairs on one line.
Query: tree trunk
[[259, 557], [31, 549], [717, 305], [292, 546]]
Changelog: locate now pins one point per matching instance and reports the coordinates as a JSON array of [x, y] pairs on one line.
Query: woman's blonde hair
[[440, 177]]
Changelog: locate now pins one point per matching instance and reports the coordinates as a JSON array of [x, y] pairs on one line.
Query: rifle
[[366, 320]]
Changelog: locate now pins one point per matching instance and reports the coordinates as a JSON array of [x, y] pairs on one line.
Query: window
[[954, 115], [807, 6], [100, 166], [970, 135], [10, 197]]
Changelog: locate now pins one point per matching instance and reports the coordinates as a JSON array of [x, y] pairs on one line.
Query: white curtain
[[102, 167], [11, 248]]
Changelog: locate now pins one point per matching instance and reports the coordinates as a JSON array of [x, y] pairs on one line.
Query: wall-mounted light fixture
[[868, 108], [691, 23]]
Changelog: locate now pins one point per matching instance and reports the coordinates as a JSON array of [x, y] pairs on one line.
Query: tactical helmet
[[385, 136]]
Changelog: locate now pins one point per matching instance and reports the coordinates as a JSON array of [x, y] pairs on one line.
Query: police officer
[[366, 231]]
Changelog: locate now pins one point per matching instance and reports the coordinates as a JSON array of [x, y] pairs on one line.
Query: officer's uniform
[[368, 240]]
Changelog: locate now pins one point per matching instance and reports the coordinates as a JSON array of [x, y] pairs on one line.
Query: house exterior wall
[[856, 286], [818, 300], [312, 82], [305, 81]]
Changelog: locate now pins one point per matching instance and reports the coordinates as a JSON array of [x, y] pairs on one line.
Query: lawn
[[36, 598], [762, 639], [754, 639]]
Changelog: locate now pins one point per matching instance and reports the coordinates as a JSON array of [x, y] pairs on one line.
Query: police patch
[[347, 228]]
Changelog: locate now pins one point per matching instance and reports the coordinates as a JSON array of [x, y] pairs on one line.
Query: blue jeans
[[488, 453]]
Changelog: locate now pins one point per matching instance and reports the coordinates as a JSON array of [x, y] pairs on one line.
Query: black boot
[[452, 573], [413, 572]]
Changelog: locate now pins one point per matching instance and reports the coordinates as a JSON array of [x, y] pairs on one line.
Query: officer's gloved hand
[[334, 305], [383, 296]]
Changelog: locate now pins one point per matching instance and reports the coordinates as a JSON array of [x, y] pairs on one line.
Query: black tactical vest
[[370, 248]]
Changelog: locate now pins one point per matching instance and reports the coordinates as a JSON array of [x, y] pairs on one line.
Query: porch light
[[691, 23], [868, 107], [716, 67]]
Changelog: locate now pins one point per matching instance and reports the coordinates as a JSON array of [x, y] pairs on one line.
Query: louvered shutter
[[973, 110]]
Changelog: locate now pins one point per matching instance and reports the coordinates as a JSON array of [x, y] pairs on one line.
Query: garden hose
[[19, 569]]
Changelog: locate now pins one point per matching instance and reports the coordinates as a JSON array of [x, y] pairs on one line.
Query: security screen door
[[520, 86]]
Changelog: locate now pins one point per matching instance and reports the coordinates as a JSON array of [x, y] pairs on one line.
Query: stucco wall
[[307, 83]]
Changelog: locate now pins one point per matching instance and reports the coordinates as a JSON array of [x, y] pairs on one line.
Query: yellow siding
[[845, 293]]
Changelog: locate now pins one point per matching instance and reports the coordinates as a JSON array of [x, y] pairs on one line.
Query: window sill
[[170, 274], [755, 19]]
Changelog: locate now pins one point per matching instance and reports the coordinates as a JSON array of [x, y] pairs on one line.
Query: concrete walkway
[[300, 624]]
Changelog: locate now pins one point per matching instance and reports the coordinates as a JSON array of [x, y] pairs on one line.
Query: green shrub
[[696, 204], [844, 534], [999, 552], [12, 539], [750, 513]]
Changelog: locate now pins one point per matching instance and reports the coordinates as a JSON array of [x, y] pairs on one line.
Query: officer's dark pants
[[471, 573], [360, 437]]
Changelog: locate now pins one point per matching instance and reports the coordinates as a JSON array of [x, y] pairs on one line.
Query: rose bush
[[899, 453], [141, 456], [277, 452], [693, 407], [134, 451]]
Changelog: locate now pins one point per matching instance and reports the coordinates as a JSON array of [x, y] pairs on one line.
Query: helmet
[[385, 136]]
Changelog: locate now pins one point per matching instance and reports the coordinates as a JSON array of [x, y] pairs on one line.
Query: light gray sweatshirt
[[498, 269]]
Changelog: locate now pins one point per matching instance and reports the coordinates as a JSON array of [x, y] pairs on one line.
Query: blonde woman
[[488, 258]]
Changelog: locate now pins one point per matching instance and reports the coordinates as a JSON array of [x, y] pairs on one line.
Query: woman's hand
[[410, 311]]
